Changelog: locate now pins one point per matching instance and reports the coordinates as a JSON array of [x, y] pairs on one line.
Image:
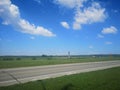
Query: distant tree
[[3, 58], [43, 55], [8, 58], [18, 58], [34, 58], [49, 58], [11, 58]]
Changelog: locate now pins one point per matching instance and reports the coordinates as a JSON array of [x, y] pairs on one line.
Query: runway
[[26, 74]]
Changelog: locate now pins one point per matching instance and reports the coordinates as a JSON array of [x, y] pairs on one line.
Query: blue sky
[[54, 27]]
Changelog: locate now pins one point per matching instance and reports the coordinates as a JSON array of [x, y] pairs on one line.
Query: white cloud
[[89, 15], [70, 3], [11, 15], [100, 36], [109, 30], [84, 15], [108, 43], [26, 27], [65, 25], [14, 11]]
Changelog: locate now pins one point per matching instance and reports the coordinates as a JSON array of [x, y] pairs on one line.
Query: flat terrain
[[21, 75], [108, 79], [13, 62]]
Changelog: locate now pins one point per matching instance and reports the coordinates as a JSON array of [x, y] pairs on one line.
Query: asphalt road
[[26, 74]]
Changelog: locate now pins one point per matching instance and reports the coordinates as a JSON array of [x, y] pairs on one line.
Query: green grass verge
[[108, 79], [25, 62]]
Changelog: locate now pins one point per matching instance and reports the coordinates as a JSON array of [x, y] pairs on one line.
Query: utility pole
[[68, 54]]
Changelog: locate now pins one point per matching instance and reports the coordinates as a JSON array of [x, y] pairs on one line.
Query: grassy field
[[108, 79], [12, 62]]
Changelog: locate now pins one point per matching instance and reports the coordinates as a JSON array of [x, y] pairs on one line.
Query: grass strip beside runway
[[108, 79]]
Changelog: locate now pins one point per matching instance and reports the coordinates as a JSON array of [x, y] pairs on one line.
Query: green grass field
[[13, 62], [108, 79]]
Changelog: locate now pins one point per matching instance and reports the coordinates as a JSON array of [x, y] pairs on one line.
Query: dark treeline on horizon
[[49, 57]]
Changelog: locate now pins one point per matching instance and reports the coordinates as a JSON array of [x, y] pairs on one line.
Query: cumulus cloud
[[89, 15], [11, 16], [65, 25], [70, 3], [84, 15], [26, 27], [110, 30]]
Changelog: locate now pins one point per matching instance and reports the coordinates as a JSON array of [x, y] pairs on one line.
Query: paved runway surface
[[26, 74]]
